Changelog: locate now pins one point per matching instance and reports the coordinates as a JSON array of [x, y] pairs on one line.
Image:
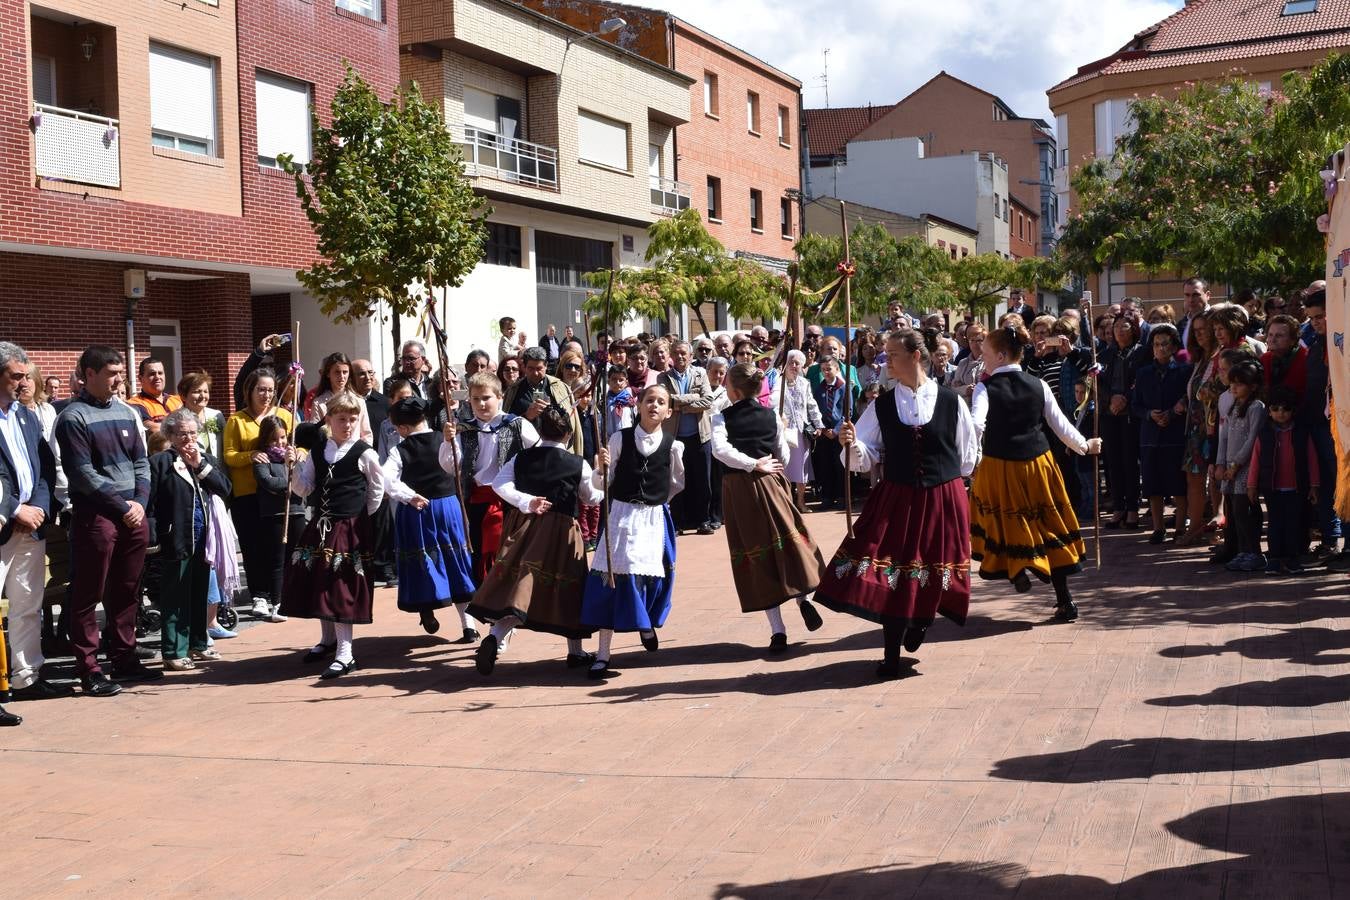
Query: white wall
[[893, 175]]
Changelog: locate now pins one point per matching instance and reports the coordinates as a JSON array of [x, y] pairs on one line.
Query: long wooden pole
[[1096, 433], [443, 355], [290, 438], [848, 378], [789, 333], [604, 413]]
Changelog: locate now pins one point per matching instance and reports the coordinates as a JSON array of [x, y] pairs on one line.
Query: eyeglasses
[[571, 367]]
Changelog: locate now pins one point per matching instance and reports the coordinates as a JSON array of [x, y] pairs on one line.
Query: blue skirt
[[636, 602], [433, 561]]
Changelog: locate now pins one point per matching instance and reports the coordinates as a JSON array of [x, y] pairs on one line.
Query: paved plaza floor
[[1187, 738]]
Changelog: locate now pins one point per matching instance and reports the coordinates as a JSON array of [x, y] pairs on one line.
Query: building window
[[942, 245], [283, 119], [502, 247], [1295, 7], [997, 207], [953, 251], [182, 100], [603, 141], [965, 251], [756, 210], [752, 112], [371, 9], [784, 127], [785, 216], [1005, 210], [166, 345], [44, 80], [710, 104], [714, 199]]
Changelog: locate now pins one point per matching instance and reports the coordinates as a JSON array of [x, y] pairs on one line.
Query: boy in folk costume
[[435, 568], [329, 574], [773, 559], [909, 557], [537, 581], [647, 471]]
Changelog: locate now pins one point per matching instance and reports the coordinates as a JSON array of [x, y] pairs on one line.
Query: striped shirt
[[102, 455]]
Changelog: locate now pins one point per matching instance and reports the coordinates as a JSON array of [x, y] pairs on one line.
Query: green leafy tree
[[686, 267], [886, 269], [1220, 180], [387, 198]]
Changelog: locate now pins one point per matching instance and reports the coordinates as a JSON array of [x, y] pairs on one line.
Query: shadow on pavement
[[1307, 646], [1297, 690]]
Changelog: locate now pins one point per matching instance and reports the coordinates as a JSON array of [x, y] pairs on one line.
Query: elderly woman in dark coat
[[181, 480], [1120, 362], [1160, 406]]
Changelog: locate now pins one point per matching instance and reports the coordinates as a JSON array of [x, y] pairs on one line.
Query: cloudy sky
[[880, 50]]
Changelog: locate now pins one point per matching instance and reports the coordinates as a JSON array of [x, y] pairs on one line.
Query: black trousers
[[248, 525], [715, 473], [272, 555], [690, 508], [1120, 443], [829, 470]]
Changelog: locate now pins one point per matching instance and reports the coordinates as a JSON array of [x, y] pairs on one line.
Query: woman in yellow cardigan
[[241, 452]]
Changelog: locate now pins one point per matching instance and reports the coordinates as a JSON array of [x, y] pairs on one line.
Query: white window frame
[[371, 9], [171, 344], [599, 122], [281, 81], [711, 101], [784, 126], [178, 140], [752, 112]]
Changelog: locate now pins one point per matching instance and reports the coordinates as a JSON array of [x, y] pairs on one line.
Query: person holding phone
[[537, 391]]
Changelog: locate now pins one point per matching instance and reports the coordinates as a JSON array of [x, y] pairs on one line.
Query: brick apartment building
[[740, 153], [1204, 40], [1024, 229], [142, 140]]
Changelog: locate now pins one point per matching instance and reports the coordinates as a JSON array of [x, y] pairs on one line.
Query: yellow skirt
[[1021, 519]]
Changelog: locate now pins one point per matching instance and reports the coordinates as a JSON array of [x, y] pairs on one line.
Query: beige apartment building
[[559, 132], [1202, 41]]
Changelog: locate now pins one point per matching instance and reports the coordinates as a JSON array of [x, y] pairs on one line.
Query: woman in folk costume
[[773, 559], [329, 576], [1022, 518], [909, 557], [537, 581], [435, 568], [645, 469]]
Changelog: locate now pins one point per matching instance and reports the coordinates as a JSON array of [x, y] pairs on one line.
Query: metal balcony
[[75, 146], [669, 196], [490, 155]]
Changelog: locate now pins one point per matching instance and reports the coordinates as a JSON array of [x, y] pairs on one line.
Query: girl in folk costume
[[773, 559], [639, 552], [1022, 518], [435, 568], [801, 420], [909, 558], [328, 577], [485, 445], [539, 575]]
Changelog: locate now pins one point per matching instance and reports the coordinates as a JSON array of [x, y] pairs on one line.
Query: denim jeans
[[1325, 513]]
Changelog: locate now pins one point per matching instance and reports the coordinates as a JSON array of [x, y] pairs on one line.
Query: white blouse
[[1059, 423], [914, 408], [505, 482], [725, 453], [302, 477], [647, 444], [392, 469]]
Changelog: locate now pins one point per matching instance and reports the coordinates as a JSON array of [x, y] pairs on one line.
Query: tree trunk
[[698, 313]]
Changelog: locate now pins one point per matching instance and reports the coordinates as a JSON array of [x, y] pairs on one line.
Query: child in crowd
[[1241, 418], [589, 516], [512, 343], [388, 437], [328, 575], [275, 503], [539, 576], [619, 400], [1284, 470], [435, 568], [485, 445], [632, 574], [773, 559], [825, 462]]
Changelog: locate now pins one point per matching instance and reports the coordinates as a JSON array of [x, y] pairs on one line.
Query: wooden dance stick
[[1095, 396], [443, 355], [787, 338], [604, 479], [290, 438], [848, 380]]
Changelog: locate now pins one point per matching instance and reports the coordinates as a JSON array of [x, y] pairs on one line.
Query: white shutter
[[182, 94], [480, 110], [602, 141], [44, 80], [283, 118], [1122, 119], [1101, 120]]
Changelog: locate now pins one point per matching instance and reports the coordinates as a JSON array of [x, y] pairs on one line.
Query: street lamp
[[607, 27]]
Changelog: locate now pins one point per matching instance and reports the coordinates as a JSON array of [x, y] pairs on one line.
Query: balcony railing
[[508, 159], [669, 196], [75, 146]]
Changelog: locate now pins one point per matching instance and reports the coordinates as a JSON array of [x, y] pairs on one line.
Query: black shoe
[[810, 617], [888, 669], [1158, 536], [318, 653], [652, 642], [705, 528], [429, 622], [577, 660], [337, 669], [599, 670], [1221, 558], [1022, 583], [778, 643], [913, 638], [9, 719], [1066, 612], [470, 636], [144, 653], [42, 689], [485, 657], [96, 684], [137, 672]]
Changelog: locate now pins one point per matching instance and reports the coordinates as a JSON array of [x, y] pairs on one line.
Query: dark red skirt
[[908, 559], [328, 576]]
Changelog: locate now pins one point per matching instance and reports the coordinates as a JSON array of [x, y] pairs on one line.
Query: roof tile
[[828, 131]]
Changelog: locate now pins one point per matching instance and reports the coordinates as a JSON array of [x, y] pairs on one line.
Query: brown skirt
[[538, 577], [773, 559]]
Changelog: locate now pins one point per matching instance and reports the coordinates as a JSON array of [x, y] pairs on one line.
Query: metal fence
[[76, 146]]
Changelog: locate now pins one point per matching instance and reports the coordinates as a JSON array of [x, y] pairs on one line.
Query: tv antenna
[[824, 78]]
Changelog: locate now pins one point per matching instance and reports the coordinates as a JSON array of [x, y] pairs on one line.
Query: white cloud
[[880, 50]]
